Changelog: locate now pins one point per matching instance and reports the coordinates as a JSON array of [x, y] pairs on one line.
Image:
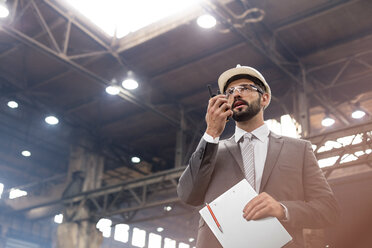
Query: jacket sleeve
[[194, 181], [319, 207]]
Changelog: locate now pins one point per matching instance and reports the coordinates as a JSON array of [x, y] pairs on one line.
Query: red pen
[[214, 217]]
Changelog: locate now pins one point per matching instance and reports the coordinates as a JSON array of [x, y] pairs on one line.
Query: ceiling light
[[12, 104], [357, 114], [51, 120], [159, 229], [191, 240], [4, 12], [58, 218], [135, 160], [26, 153], [206, 21], [328, 121], [112, 90], [130, 84], [168, 208]]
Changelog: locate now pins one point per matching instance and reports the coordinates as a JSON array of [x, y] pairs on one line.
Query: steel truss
[[351, 147], [58, 49], [290, 64], [123, 199]]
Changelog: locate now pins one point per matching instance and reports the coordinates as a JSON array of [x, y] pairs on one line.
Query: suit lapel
[[275, 146], [234, 150]]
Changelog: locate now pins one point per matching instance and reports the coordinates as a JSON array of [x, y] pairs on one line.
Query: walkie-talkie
[[213, 95]]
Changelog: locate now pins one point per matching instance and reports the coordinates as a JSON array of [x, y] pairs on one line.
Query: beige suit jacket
[[291, 175]]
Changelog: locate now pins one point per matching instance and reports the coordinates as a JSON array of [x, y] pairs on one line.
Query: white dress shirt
[[260, 143]]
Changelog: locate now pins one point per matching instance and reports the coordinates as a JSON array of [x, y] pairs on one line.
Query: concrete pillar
[[85, 173], [303, 113], [82, 234], [301, 106], [180, 141]]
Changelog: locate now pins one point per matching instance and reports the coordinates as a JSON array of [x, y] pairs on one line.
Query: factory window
[[139, 237], [121, 233], [154, 240], [104, 225], [183, 245], [169, 243], [1, 189]]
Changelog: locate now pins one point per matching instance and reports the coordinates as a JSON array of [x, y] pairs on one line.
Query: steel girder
[[142, 193], [350, 147], [293, 69], [127, 197]]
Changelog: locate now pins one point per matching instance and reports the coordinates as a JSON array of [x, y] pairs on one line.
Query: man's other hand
[[263, 206]]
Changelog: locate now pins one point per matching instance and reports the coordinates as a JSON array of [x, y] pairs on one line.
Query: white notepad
[[238, 232]]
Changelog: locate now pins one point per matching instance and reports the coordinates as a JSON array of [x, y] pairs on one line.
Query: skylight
[[124, 17]]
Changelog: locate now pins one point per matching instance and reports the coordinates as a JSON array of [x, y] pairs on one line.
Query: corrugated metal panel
[[16, 243]]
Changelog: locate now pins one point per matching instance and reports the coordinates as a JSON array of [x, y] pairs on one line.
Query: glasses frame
[[241, 88]]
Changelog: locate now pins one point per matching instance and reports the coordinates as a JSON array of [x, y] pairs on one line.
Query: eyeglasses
[[242, 89]]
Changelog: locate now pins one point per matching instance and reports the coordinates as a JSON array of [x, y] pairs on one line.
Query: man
[[283, 170]]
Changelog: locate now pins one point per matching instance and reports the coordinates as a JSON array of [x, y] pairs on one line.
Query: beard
[[249, 112]]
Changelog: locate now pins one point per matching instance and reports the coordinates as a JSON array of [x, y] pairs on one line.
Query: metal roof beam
[[311, 14], [123, 93], [216, 8]]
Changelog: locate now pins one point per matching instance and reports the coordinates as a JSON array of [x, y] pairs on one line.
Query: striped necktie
[[247, 150]]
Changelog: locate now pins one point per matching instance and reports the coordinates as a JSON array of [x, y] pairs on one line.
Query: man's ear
[[265, 99]]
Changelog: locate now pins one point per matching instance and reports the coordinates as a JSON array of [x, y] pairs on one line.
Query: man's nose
[[236, 93]]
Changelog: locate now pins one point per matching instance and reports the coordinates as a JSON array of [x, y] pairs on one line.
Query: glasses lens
[[241, 89]]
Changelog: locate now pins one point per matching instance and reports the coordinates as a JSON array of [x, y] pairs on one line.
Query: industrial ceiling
[[55, 61]]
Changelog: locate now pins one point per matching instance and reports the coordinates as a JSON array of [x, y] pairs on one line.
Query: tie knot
[[248, 136]]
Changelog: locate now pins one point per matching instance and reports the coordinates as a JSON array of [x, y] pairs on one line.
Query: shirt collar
[[261, 133]]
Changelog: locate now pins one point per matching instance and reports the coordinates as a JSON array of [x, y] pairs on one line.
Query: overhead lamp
[[58, 218], [135, 160], [130, 84], [328, 121], [206, 21], [26, 153], [113, 88], [191, 240], [168, 208], [358, 112], [4, 12], [12, 104], [51, 120], [159, 229]]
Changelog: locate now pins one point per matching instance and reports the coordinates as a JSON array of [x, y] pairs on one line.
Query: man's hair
[[255, 80]]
